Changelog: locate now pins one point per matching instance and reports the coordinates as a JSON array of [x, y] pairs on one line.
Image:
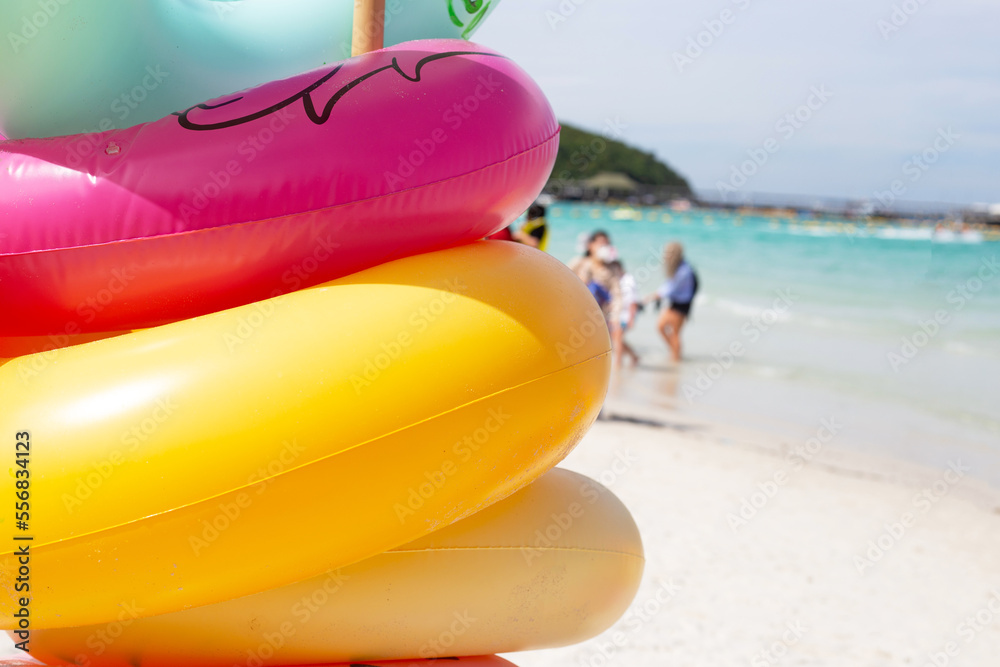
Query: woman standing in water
[[678, 290], [592, 269]]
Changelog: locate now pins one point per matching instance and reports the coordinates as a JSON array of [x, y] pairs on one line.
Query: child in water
[[624, 307]]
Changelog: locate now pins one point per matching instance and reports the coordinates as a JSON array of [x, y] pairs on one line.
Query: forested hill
[[584, 154]]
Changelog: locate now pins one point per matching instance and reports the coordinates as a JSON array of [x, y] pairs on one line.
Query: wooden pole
[[369, 26]]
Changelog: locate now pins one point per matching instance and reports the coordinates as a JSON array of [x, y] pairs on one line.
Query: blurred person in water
[[594, 270], [678, 291], [624, 307]]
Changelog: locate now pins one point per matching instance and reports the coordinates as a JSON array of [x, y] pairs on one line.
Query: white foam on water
[[948, 236], [816, 231], [740, 309]]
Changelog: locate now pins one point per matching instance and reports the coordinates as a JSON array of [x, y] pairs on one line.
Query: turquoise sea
[[892, 331]]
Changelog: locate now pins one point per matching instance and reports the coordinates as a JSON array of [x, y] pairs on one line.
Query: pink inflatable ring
[[409, 149]]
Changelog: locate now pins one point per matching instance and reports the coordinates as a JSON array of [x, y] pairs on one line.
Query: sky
[[890, 100]]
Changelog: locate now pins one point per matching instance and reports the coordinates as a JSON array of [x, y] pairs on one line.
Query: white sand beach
[[824, 573], [800, 582]]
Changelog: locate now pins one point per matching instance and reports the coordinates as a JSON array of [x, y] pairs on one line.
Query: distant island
[[596, 167], [590, 161]]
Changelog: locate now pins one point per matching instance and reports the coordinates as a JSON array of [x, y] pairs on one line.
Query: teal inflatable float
[[72, 66]]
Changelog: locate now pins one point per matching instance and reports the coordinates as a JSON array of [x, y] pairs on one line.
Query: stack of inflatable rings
[[270, 399]]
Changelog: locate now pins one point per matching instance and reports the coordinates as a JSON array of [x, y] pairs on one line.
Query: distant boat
[[626, 213]]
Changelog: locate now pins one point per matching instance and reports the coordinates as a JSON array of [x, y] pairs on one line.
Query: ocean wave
[[929, 234], [743, 310], [747, 312], [826, 323], [948, 236], [818, 231], [904, 234]]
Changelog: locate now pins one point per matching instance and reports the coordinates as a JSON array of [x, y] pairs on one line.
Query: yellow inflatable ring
[[554, 564], [248, 449]]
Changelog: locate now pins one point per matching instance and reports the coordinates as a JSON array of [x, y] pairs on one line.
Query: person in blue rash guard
[[678, 290]]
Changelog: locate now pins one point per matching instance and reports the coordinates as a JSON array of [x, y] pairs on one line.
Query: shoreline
[[784, 439], [780, 414]]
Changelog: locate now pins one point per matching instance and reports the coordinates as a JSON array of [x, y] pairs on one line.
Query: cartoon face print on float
[[467, 14]]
